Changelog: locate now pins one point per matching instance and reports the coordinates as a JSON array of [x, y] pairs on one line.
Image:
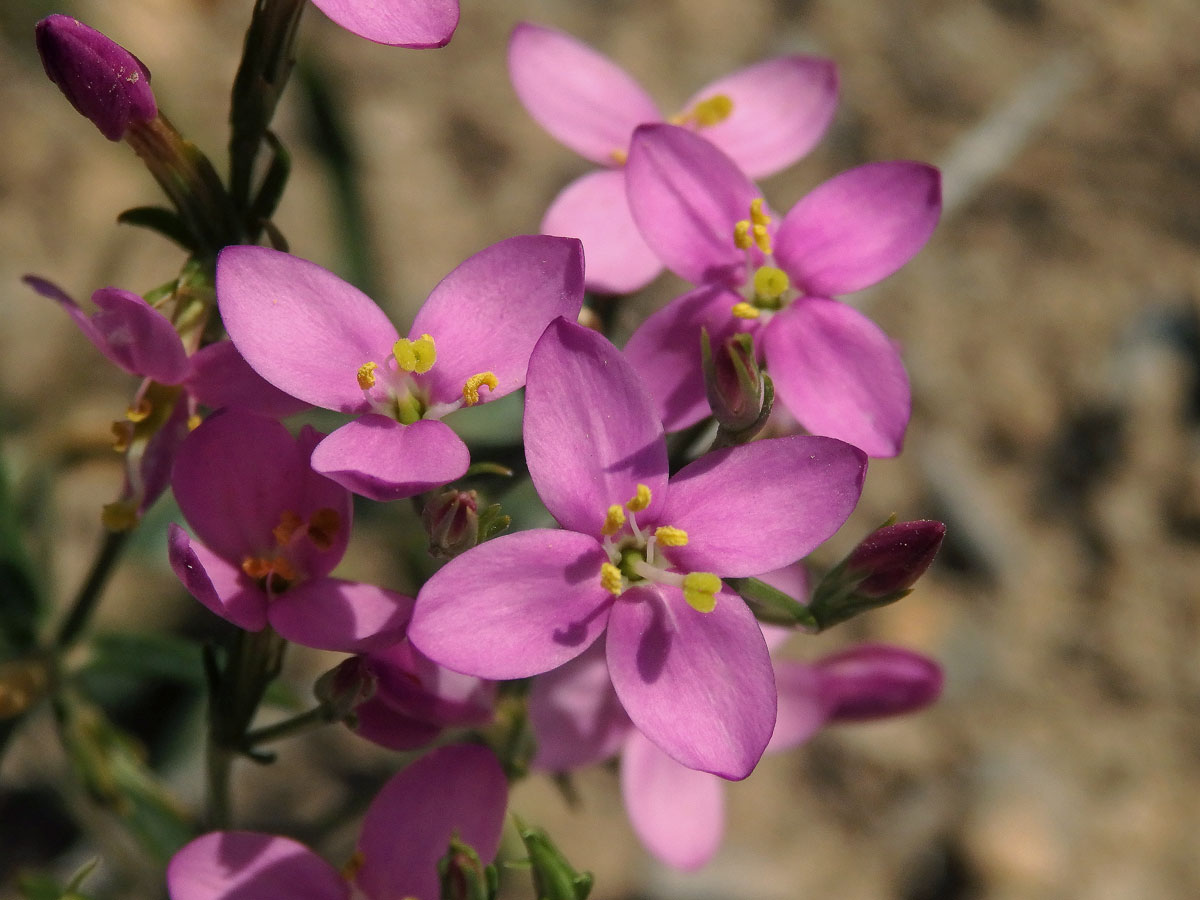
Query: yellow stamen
[[669, 536], [139, 412], [119, 516], [741, 235], [323, 527], [699, 590], [713, 110], [353, 865], [762, 238], [122, 433], [640, 500], [744, 310], [286, 529], [194, 421], [261, 567], [610, 579], [613, 521], [620, 157], [471, 388], [366, 375], [415, 356], [770, 282]]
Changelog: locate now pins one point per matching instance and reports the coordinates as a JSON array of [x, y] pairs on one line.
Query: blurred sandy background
[[1050, 328]]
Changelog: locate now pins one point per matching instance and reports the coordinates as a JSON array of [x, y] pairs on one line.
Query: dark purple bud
[[452, 520], [873, 681], [103, 80], [344, 687], [734, 383], [895, 556]]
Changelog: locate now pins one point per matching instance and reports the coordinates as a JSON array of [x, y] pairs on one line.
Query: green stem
[[89, 595], [305, 721]]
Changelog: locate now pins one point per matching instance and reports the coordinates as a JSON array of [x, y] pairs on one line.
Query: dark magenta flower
[[270, 530], [832, 367], [639, 556], [417, 24], [456, 791], [104, 82], [765, 117], [319, 339]]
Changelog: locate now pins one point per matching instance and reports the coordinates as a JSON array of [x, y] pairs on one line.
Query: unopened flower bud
[[451, 519], [895, 556], [873, 681], [344, 687], [103, 80], [463, 876], [735, 385], [553, 876]]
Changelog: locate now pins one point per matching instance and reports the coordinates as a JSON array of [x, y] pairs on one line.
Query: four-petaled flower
[[640, 556]]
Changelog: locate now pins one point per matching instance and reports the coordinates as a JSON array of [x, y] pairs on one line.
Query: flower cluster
[[631, 624]]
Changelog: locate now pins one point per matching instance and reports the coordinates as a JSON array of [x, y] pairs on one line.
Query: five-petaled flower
[[312, 335], [766, 117], [640, 556], [833, 368]]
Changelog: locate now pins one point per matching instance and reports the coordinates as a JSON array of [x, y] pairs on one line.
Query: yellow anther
[[323, 527], [744, 310], [713, 110], [771, 283], [620, 157], [699, 590], [289, 522], [640, 500], [742, 238], [194, 421], [762, 238], [122, 433], [471, 388], [757, 216], [119, 516], [366, 375], [669, 536], [353, 865], [613, 521], [140, 412], [610, 579], [261, 567], [415, 356]]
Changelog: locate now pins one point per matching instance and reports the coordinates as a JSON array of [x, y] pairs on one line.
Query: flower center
[[636, 555], [767, 291], [396, 389], [275, 571]]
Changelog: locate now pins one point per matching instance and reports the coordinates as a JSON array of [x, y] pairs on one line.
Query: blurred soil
[[1051, 328]]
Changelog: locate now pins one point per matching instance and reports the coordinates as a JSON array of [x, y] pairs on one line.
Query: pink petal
[[381, 723], [665, 352], [781, 108], [379, 458], [594, 209], [409, 681], [686, 196], [802, 707], [220, 377], [516, 606], [301, 327], [456, 790], [677, 812], [699, 685], [238, 865], [591, 433], [487, 314], [759, 506], [332, 614], [839, 374], [581, 97], [416, 24], [224, 588], [575, 715], [859, 227]]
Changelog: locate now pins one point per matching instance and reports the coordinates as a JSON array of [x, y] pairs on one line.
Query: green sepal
[[773, 606], [463, 876], [164, 221], [553, 877], [270, 191], [21, 603]]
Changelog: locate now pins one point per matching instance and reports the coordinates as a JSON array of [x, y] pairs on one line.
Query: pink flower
[[833, 368], [312, 335], [766, 117], [640, 556], [417, 24], [457, 791], [270, 531]]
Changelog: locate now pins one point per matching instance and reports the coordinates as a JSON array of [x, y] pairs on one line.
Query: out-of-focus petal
[[576, 717], [416, 24], [300, 326], [802, 706], [591, 432], [665, 352], [581, 97], [873, 681], [839, 374], [686, 196], [516, 606], [381, 723], [759, 506], [679, 813], [699, 685], [487, 314], [458, 790], [408, 680], [379, 458], [781, 108], [594, 209], [219, 585], [239, 865], [859, 227], [348, 616], [220, 377]]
